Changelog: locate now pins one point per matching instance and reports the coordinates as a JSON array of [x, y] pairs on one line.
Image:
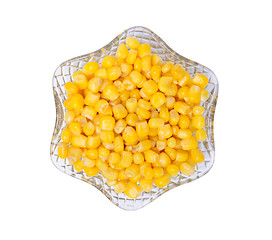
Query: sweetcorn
[[136, 119]]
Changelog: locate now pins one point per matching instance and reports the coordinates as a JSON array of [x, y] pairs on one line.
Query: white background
[[233, 201]]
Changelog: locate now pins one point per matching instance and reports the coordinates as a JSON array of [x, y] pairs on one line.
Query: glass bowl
[[64, 73]]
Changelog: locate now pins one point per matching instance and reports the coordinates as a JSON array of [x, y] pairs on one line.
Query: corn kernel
[[75, 128], [155, 123], [172, 169], [106, 136], [101, 165], [164, 159], [107, 123], [101, 73], [182, 107], [119, 111], [144, 95], [132, 54], [132, 42], [175, 130], [155, 73], [126, 159], [200, 80], [144, 50], [94, 84], [178, 71], [79, 141], [81, 81], [78, 166], [132, 170], [142, 113], [162, 181], [165, 131], [185, 80], [130, 136], [113, 73], [157, 99], [91, 99], [87, 162], [161, 144], [111, 182], [101, 106], [132, 190], [131, 105], [69, 116], [128, 84], [92, 154], [194, 94], [173, 117], [197, 155], [91, 171], [108, 62], [93, 141], [187, 169], [172, 153], [77, 102], [172, 91], [132, 119], [63, 150], [135, 93], [110, 174], [204, 95], [74, 154], [184, 133], [142, 129], [184, 122], [146, 184], [156, 60], [105, 83], [103, 153], [135, 76], [120, 126], [150, 87], [143, 146], [114, 159], [90, 68], [151, 156], [122, 175], [165, 84], [71, 88], [148, 173], [201, 135], [198, 122], [166, 67], [66, 135], [189, 143], [171, 142], [122, 51], [120, 187], [138, 158], [183, 92], [198, 110]]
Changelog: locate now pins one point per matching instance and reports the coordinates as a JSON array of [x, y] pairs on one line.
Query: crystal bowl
[[64, 73]]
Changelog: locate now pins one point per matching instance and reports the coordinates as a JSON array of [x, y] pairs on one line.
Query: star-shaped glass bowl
[[64, 73]]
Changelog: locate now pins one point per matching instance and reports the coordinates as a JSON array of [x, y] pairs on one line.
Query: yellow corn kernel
[[185, 80], [96, 120], [173, 117], [71, 88], [182, 107], [119, 111], [150, 87], [166, 67], [200, 80], [146, 184], [138, 158], [144, 50], [197, 155], [118, 144], [126, 68], [122, 51], [172, 169], [101, 106], [147, 74], [198, 122], [148, 173], [132, 42], [81, 120], [74, 154], [172, 153], [63, 150], [94, 84], [182, 156], [142, 113], [130, 136], [105, 83], [143, 146], [184, 122], [120, 187], [204, 95], [165, 84], [103, 153], [91, 99], [183, 92], [142, 129], [81, 81], [78, 166], [110, 92], [79, 141], [171, 142], [67, 104], [122, 175], [161, 144], [164, 159], [172, 91], [144, 95], [131, 105], [110, 174], [126, 159], [162, 181], [155, 123], [66, 135], [187, 169], [91, 171], [113, 73], [136, 77], [175, 130], [101, 165], [189, 143], [151, 156], [136, 179], [165, 131], [138, 64], [143, 166], [108, 62], [156, 60], [120, 126], [146, 64], [201, 135], [128, 84], [158, 172], [194, 94], [92, 154], [75, 128], [132, 119], [77, 102], [154, 113], [132, 170], [132, 190], [69, 116], [144, 104], [132, 54], [157, 99], [156, 73], [114, 159], [87, 162], [107, 123], [184, 133], [78, 72], [90, 68], [198, 110], [111, 182], [178, 71], [106, 136], [93, 141], [101, 73]]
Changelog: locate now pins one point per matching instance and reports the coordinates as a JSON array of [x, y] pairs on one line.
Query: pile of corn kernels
[[134, 119]]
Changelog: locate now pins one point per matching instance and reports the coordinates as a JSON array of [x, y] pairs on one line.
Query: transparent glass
[[64, 73]]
